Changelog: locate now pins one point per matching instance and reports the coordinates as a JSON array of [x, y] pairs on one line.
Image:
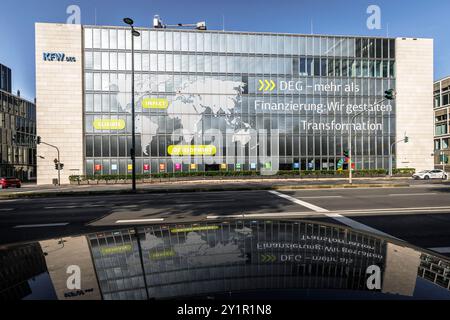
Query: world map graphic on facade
[[189, 105]]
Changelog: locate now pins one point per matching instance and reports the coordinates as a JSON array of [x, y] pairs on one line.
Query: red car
[[10, 182]]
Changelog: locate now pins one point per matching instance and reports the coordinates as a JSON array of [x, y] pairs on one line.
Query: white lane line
[[41, 225], [336, 216], [138, 221], [73, 207], [203, 201], [322, 197], [339, 212], [261, 215], [8, 209], [356, 225], [411, 194], [441, 250], [299, 202]]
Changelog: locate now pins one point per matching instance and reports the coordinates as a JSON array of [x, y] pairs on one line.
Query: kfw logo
[[60, 57]]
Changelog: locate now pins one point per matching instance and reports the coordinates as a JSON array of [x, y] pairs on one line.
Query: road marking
[[411, 194], [73, 207], [41, 225], [261, 215], [138, 221], [322, 197], [299, 202], [8, 209], [336, 216], [441, 250], [415, 209], [339, 212], [203, 201]]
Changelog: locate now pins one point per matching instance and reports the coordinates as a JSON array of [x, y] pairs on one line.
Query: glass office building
[[441, 120], [230, 101], [237, 100], [17, 137], [5, 78]]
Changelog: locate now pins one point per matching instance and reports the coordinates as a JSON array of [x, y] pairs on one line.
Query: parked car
[[10, 182], [430, 174]]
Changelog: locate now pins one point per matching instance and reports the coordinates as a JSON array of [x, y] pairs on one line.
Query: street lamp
[[388, 95], [134, 33]]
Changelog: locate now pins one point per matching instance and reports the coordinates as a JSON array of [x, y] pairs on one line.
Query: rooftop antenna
[[387, 30], [312, 26], [223, 22], [95, 16]]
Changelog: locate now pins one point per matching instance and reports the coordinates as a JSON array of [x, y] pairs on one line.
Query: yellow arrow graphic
[[267, 85], [261, 83], [273, 85]]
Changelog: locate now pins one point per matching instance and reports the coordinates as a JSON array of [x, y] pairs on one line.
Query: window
[[303, 71], [323, 67], [88, 38], [445, 99], [441, 129]]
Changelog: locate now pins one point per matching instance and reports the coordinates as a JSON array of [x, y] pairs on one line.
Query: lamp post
[[134, 33], [388, 95]]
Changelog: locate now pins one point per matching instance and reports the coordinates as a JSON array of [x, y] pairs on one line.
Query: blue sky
[[341, 17]]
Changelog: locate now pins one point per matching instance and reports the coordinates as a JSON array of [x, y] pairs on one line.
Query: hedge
[[302, 173]]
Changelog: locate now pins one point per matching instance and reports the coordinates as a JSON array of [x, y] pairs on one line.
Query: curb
[[194, 190]]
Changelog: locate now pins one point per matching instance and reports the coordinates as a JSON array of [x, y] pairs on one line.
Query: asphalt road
[[251, 183], [419, 215]]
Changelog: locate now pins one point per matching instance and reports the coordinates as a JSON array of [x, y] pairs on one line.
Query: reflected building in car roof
[[234, 259], [196, 260]]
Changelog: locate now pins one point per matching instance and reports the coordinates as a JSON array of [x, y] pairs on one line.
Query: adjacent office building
[[441, 118], [210, 100], [5, 78], [17, 132]]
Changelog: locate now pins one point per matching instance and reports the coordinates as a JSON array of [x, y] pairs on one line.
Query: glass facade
[[441, 122], [17, 137], [249, 97], [5, 78], [187, 260]]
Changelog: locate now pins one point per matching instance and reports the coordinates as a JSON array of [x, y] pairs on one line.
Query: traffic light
[[38, 140], [389, 94], [406, 139], [59, 166]]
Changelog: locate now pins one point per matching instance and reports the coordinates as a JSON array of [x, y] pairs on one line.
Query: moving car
[[10, 182], [430, 174]]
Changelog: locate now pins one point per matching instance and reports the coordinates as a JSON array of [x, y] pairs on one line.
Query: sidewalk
[[33, 191]]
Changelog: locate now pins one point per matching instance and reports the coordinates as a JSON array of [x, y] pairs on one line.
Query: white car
[[430, 174]]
